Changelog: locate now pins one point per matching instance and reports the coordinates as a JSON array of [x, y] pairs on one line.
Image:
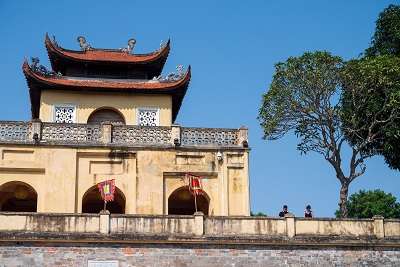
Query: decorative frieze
[[71, 132], [209, 137], [14, 131], [148, 117], [64, 114], [96, 134], [135, 135]]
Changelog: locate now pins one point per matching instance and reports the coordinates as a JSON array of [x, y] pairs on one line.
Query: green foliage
[[371, 105], [257, 214], [386, 40], [371, 100], [301, 95], [327, 102], [366, 204]]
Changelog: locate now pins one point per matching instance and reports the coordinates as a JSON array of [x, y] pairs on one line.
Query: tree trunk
[[344, 191]]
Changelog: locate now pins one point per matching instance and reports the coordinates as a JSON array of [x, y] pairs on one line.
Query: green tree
[[257, 214], [371, 106], [386, 40], [366, 204], [304, 97], [374, 81]]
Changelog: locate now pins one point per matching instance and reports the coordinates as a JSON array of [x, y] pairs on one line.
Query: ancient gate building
[[110, 114]]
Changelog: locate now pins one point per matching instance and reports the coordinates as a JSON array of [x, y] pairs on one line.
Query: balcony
[[71, 134]]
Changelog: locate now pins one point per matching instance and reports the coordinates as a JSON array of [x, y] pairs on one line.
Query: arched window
[[104, 115], [181, 202], [93, 203], [18, 196]]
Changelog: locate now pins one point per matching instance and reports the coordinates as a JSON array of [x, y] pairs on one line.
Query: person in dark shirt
[[284, 211], [308, 212]]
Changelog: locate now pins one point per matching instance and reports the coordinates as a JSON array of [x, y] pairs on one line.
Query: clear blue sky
[[232, 47]]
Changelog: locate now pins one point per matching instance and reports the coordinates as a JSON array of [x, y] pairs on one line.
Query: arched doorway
[[104, 115], [181, 202], [18, 196], [93, 203]]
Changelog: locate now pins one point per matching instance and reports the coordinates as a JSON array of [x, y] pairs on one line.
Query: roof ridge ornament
[[172, 76], [130, 47], [85, 46], [163, 45], [55, 41], [36, 67]]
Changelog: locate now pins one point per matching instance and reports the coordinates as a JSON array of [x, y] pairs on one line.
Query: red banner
[[195, 186], [107, 190]]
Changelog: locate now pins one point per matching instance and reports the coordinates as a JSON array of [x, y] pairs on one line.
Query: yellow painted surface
[[62, 175], [392, 228], [153, 225], [236, 188], [238, 226], [73, 223], [334, 227], [86, 103], [245, 226]]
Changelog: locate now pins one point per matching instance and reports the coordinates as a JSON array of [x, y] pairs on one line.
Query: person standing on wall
[[308, 212], [284, 211]]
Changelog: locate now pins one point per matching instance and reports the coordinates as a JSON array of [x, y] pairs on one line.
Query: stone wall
[[193, 256], [47, 222], [199, 225], [43, 239]]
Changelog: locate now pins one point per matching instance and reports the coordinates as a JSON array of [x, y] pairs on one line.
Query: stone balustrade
[[200, 226], [44, 133], [15, 131]]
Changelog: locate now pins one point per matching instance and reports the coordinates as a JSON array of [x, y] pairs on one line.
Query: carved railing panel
[[14, 131], [96, 134], [71, 132], [209, 137], [141, 135]]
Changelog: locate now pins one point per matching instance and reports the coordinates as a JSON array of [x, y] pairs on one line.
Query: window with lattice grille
[[64, 114], [148, 117]]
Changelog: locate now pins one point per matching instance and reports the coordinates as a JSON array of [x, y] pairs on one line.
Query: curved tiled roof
[[107, 55], [59, 56], [38, 81]]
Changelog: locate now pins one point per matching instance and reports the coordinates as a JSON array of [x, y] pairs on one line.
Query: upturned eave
[[37, 82]]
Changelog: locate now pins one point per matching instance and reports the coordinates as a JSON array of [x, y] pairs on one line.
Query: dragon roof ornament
[[173, 76], [85, 46], [38, 68], [130, 47]]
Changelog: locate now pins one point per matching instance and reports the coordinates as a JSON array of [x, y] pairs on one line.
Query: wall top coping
[[49, 214], [146, 216], [192, 229]]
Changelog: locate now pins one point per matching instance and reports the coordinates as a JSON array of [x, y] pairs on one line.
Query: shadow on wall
[[18, 196], [182, 202], [103, 115], [93, 203]]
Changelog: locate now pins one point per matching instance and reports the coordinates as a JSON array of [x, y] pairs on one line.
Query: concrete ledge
[[289, 231], [322, 242]]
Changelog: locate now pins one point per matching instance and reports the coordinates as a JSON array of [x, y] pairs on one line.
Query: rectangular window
[[64, 114], [148, 117]]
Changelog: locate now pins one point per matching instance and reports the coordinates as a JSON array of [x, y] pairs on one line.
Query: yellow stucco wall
[[86, 103], [358, 230], [146, 177]]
